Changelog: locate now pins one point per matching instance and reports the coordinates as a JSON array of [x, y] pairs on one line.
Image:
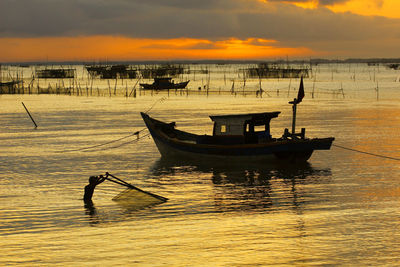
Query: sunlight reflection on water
[[340, 208]]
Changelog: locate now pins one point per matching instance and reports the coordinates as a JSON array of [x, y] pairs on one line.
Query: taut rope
[[367, 153], [110, 142]]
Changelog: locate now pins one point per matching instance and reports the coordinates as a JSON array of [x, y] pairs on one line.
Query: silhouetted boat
[[164, 83], [234, 137], [237, 137]]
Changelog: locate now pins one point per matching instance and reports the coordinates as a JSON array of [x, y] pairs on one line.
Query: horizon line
[[207, 61]]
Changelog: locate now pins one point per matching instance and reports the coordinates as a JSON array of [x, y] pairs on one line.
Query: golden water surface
[[342, 208]]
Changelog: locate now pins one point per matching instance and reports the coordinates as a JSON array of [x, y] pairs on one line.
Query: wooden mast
[[294, 108], [296, 101]]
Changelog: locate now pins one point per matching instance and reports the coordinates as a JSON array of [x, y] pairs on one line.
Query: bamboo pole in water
[[91, 86], [109, 88], [313, 89], [30, 116], [115, 87]]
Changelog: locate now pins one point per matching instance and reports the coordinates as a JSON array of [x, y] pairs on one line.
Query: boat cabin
[[251, 128], [162, 82]]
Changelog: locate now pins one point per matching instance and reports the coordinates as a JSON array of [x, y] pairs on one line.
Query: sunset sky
[[99, 30]]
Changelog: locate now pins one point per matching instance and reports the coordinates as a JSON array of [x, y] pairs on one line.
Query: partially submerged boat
[[164, 83], [237, 136]]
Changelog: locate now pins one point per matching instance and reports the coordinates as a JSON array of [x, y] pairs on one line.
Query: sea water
[[341, 208]]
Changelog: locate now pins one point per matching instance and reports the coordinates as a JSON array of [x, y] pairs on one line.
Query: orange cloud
[[92, 48], [385, 8], [312, 4]]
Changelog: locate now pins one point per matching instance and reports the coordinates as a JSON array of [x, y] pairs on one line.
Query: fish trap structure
[[55, 73], [112, 72], [394, 66], [159, 71], [11, 87], [265, 70]]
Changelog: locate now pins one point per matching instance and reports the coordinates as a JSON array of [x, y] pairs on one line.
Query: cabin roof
[[249, 116]]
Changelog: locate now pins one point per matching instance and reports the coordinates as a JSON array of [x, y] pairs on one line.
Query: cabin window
[[223, 128], [249, 128], [259, 128]]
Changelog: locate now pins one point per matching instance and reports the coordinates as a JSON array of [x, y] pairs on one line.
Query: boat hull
[[181, 85], [291, 150]]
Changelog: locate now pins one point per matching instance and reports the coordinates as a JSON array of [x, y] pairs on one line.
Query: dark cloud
[[331, 2], [318, 29], [139, 18], [202, 5]]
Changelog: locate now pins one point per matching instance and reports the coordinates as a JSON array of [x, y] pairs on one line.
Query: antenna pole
[[294, 108]]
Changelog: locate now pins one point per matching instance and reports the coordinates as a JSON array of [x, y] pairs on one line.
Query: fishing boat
[[164, 83], [234, 137], [237, 137]]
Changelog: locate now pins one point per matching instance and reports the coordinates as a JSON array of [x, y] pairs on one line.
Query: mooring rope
[[107, 143], [162, 99], [119, 139], [117, 146], [368, 153]]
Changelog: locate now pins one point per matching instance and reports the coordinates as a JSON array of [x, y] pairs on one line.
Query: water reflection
[[246, 173], [118, 211], [247, 186], [91, 211], [219, 187]]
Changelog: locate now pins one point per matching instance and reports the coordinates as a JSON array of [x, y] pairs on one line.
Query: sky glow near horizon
[[90, 30]]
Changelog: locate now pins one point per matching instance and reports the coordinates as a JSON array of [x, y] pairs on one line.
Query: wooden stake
[[30, 116]]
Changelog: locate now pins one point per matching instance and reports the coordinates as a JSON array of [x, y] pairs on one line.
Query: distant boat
[[243, 136], [164, 83]]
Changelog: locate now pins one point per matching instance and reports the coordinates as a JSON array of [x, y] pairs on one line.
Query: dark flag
[[300, 94]]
